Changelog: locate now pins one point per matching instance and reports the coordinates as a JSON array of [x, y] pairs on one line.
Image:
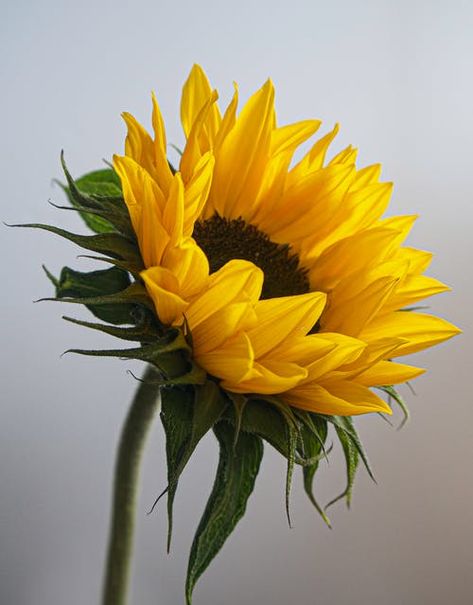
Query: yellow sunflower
[[266, 296], [287, 276]]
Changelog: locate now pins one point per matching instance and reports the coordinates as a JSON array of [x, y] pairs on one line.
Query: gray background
[[397, 75]]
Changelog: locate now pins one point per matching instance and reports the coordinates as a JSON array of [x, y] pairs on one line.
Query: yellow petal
[[419, 330], [271, 190], [371, 354], [341, 398], [236, 281], [221, 326], [162, 173], [153, 238], [242, 157], [345, 350], [284, 142], [387, 373], [419, 260], [365, 205], [367, 176], [138, 144], [351, 310], [413, 289], [190, 266], [197, 191], [361, 208], [228, 121], [194, 148], [288, 138], [173, 215], [195, 94], [271, 377], [359, 251], [403, 224], [145, 203], [346, 156], [281, 318], [162, 287], [232, 362], [315, 158], [304, 350], [308, 206]]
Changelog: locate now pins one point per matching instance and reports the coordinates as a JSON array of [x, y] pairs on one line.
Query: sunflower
[[288, 278], [268, 297]]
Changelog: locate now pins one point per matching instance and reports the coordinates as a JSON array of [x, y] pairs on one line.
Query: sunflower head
[[271, 295]]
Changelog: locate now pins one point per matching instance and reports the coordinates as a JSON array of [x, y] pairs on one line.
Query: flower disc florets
[[223, 240]]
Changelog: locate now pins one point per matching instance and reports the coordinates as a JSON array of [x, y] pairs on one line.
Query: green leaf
[[234, 482], [184, 428], [100, 182], [351, 460], [176, 416], [78, 284]]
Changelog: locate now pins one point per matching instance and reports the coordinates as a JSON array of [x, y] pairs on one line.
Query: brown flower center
[[223, 240]]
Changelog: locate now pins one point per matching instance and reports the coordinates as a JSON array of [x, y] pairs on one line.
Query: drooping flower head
[[270, 297], [288, 276]]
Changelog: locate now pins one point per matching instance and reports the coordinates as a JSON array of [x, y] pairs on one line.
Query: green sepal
[[134, 294], [234, 482], [275, 422], [116, 220], [259, 417], [143, 332], [345, 424], [98, 198], [239, 402], [52, 278], [187, 415], [317, 428], [78, 285], [111, 244], [313, 436], [351, 461], [170, 354], [393, 394], [292, 437], [132, 267]]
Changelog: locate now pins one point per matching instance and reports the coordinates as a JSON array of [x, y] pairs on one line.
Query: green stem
[[144, 406]]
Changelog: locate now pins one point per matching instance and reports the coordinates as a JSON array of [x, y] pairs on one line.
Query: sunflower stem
[[144, 406]]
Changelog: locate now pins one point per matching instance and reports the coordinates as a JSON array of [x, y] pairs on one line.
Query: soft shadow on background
[[397, 75]]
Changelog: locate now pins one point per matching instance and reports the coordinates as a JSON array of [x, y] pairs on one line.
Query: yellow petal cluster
[[240, 166]]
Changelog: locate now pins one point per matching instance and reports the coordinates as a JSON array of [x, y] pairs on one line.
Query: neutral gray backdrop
[[397, 75]]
